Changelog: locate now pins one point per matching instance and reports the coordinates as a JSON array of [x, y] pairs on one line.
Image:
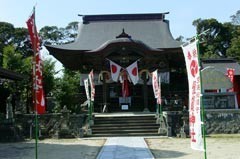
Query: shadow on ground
[[23, 150], [166, 154]]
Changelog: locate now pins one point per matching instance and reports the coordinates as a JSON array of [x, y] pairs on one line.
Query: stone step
[[124, 121], [125, 134], [141, 125], [126, 130], [123, 126]]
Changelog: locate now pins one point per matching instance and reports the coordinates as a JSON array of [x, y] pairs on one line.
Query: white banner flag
[[86, 88], [133, 72], [193, 70], [115, 70], [156, 86], [91, 80]]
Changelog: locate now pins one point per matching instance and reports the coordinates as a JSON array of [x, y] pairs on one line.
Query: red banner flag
[[124, 81], [230, 74], [39, 100]]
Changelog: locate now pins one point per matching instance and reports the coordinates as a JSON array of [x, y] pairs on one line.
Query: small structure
[[8, 130], [219, 91], [7, 75]]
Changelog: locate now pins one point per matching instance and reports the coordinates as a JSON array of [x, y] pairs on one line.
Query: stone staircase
[[125, 125]]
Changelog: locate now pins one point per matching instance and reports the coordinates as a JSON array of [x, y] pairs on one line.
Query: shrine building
[[125, 39]]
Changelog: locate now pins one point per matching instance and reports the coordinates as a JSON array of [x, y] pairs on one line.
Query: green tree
[[68, 89], [22, 42], [15, 36], [54, 35], [234, 50], [12, 59], [48, 76], [6, 32], [217, 40], [235, 19], [51, 35]]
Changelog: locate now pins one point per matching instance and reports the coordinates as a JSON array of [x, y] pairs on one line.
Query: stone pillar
[[184, 131], [9, 109]]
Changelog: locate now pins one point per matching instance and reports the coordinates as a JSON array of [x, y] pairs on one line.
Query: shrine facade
[[125, 39]]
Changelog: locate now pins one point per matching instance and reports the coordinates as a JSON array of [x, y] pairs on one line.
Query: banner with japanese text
[[230, 74], [91, 80], [38, 92], [86, 84], [193, 70], [156, 83]]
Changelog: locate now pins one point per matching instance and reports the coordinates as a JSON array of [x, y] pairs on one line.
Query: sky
[[61, 12]]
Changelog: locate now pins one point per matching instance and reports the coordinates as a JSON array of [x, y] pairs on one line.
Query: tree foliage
[[222, 40], [16, 51], [218, 38], [54, 35], [48, 76], [18, 37], [68, 89], [234, 49], [235, 19]]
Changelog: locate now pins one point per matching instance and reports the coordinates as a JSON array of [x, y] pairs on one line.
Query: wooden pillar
[[145, 92], [104, 104], [104, 90]]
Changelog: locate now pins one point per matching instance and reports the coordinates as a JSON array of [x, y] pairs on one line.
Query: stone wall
[[57, 125], [224, 121]]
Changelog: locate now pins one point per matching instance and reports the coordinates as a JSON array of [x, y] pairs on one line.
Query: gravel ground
[[218, 147], [52, 149]]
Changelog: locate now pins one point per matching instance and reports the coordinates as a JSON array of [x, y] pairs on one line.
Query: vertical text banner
[[39, 98], [86, 84], [230, 74], [91, 80], [156, 83], [193, 70]]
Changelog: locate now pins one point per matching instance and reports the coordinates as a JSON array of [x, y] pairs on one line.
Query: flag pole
[[35, 93], [160, 96], [201, 103]]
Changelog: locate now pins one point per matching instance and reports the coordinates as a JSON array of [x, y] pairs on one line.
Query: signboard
[[124, 107]]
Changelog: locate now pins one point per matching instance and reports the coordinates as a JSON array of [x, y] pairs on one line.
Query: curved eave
[[124, 42], [79, 59], [8, 74]]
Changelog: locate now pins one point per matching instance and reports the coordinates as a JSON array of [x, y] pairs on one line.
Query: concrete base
[[169, 131], [89, 132], [81, 133], [91, 122], [146, 110], [162, 131], [183, 135]]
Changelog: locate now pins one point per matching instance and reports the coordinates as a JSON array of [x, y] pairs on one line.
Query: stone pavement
[[125, 148]]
